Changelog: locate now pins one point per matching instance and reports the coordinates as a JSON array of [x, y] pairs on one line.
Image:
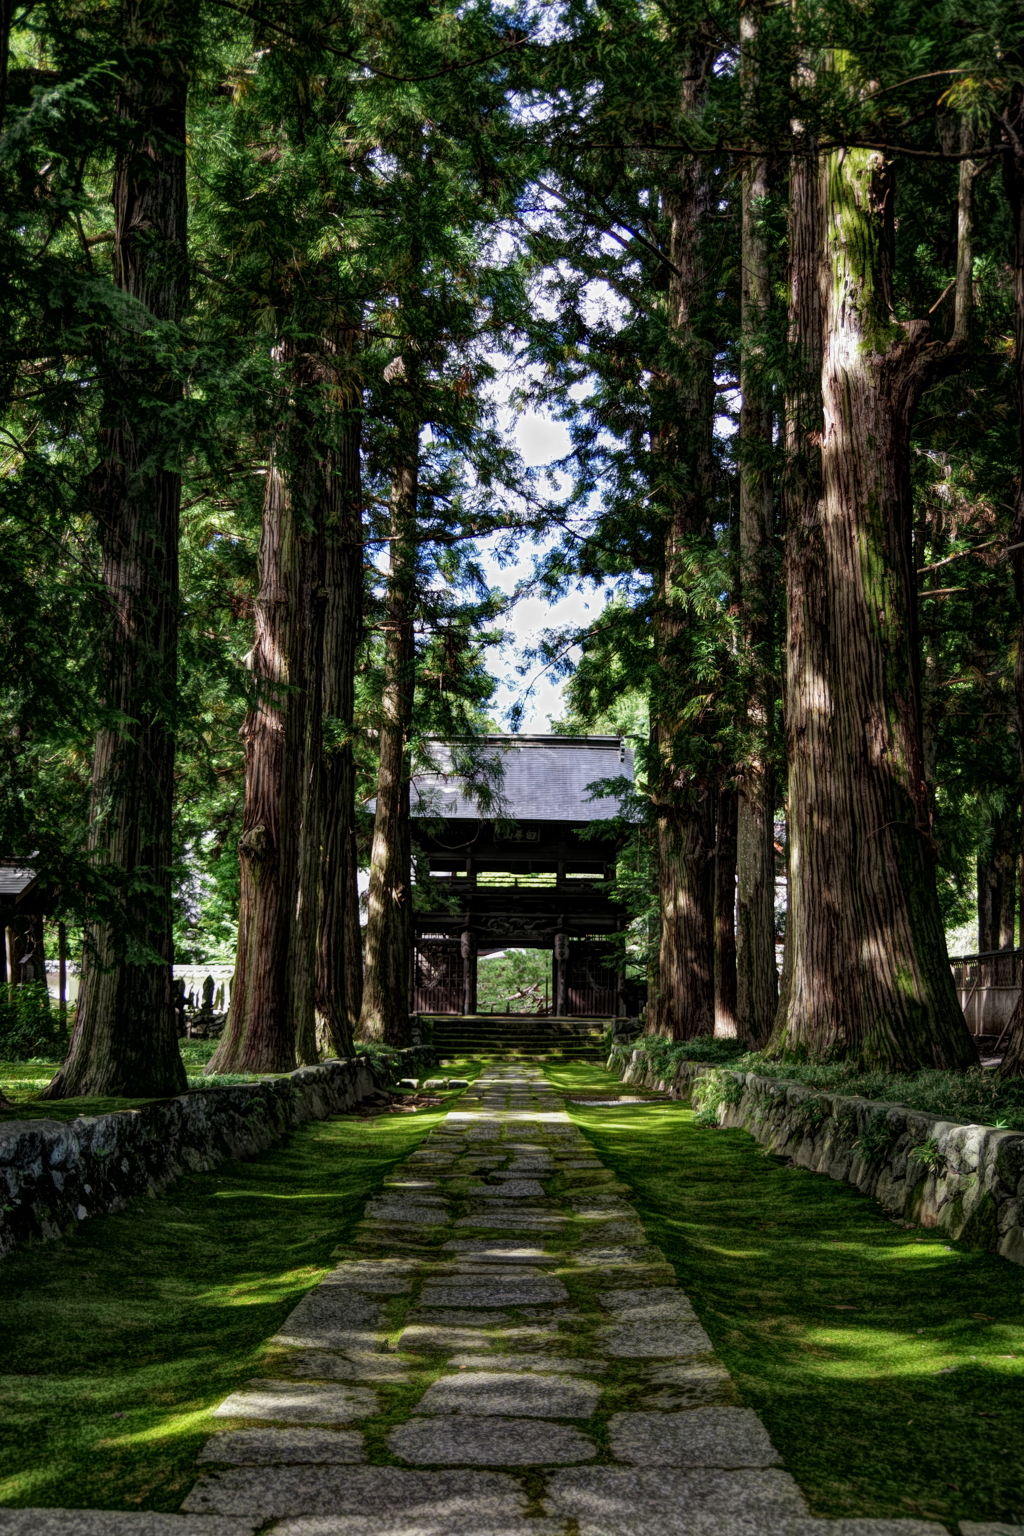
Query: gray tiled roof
[[14, 881], [542, 778]]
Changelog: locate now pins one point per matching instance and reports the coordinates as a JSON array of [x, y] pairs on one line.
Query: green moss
[[120, 1339], [887, 1362]]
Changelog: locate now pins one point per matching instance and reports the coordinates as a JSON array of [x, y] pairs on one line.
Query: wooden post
[[468, 948], [561, 957]]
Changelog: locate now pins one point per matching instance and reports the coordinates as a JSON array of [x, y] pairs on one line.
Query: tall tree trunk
[[260, 1032], [339, 943], [125, 1036], [757, 978], [870, 978], [1013, 180], [725, 914], [386, 1002], [685, 790]]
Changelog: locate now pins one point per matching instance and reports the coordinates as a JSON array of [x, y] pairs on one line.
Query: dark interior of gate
[[519, 851]]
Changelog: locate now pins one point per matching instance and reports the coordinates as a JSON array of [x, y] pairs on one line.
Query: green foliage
[[518, 980], [665, 1054], [711, 1091], [978, 1097], [30, 1027]]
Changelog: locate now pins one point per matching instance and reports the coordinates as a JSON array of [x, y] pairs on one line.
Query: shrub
[[711, 1091], [29, 1025]]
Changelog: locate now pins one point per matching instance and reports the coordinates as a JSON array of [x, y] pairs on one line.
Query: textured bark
[[125, 1036], [260, 1032], [870, 978], [725, 913], [757, 985], [339, 942], [386, 1000], [1013, 179], [684, 791]]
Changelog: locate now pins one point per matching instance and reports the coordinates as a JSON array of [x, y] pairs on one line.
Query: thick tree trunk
[[757, 986], [386, 1002], [260, 1033], [1013, 179], [685, 787], [339, 944], [870, 976], [125, 1036], [725, 914]]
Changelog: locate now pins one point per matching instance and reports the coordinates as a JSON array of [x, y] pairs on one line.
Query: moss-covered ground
[[119, 1339], [887, 1362]]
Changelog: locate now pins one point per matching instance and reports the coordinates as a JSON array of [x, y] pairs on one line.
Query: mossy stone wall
[[966, 1179]]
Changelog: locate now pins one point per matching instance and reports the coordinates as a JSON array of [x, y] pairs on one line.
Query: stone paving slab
[[526, 1396], [490, 1442], [268, 1447], [416, 1525], [266, 1493], [653, 1341], [517, 1293], [507, 1362], [987, 1528], [604, 1501], [298, 1403], [116, 1522], [325, 1365], [701, 1437]]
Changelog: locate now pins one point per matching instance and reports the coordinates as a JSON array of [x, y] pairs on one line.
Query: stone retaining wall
[[54, 1173], [967, 1179]]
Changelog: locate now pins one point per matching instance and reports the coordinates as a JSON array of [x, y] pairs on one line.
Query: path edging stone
[[55, 1173], [971, 1183]]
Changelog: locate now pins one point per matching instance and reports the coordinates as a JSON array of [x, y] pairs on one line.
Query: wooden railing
[[988, 987]]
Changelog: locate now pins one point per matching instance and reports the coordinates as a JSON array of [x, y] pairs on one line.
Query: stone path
[[502, 1353]]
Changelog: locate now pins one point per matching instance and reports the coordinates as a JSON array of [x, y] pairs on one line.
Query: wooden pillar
[[468, 949], [3, 955], [561, 959]]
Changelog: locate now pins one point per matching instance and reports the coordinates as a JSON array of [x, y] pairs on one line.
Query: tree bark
[[870, 977], [685, 788], [1013, 180], [725, 914], [125, 1035], [757, 978], [386, 1001], [339, 941], [260, 1035]]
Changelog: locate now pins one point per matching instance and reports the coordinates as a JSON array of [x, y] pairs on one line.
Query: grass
[[119, 1339], [22, 1081], [887, 1363], [977, 1096]]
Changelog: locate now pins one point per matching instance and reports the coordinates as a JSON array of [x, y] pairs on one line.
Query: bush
[[665, 1054], [29, 1025]]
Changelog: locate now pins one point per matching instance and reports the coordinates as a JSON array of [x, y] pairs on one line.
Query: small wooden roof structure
[[21, 894]]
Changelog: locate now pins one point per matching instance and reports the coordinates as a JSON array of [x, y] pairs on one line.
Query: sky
[[540, 441]]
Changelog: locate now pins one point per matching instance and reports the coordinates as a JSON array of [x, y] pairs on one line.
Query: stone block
[[331, 1318], [324, 1365], [298, 1403], [499, 1293], [982, 1528], [666, 1501], [654, 1340], [557, 1364], [700, 1437], [423, 1336], [273, 1493], [270, 1447], [419, 1524], [489, 1442], [518, 1396], [106, 1522]]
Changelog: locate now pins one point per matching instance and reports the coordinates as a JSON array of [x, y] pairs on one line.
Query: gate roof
[[523, 778]]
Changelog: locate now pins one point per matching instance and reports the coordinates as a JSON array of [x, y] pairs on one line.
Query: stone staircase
[[516, 1035]]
